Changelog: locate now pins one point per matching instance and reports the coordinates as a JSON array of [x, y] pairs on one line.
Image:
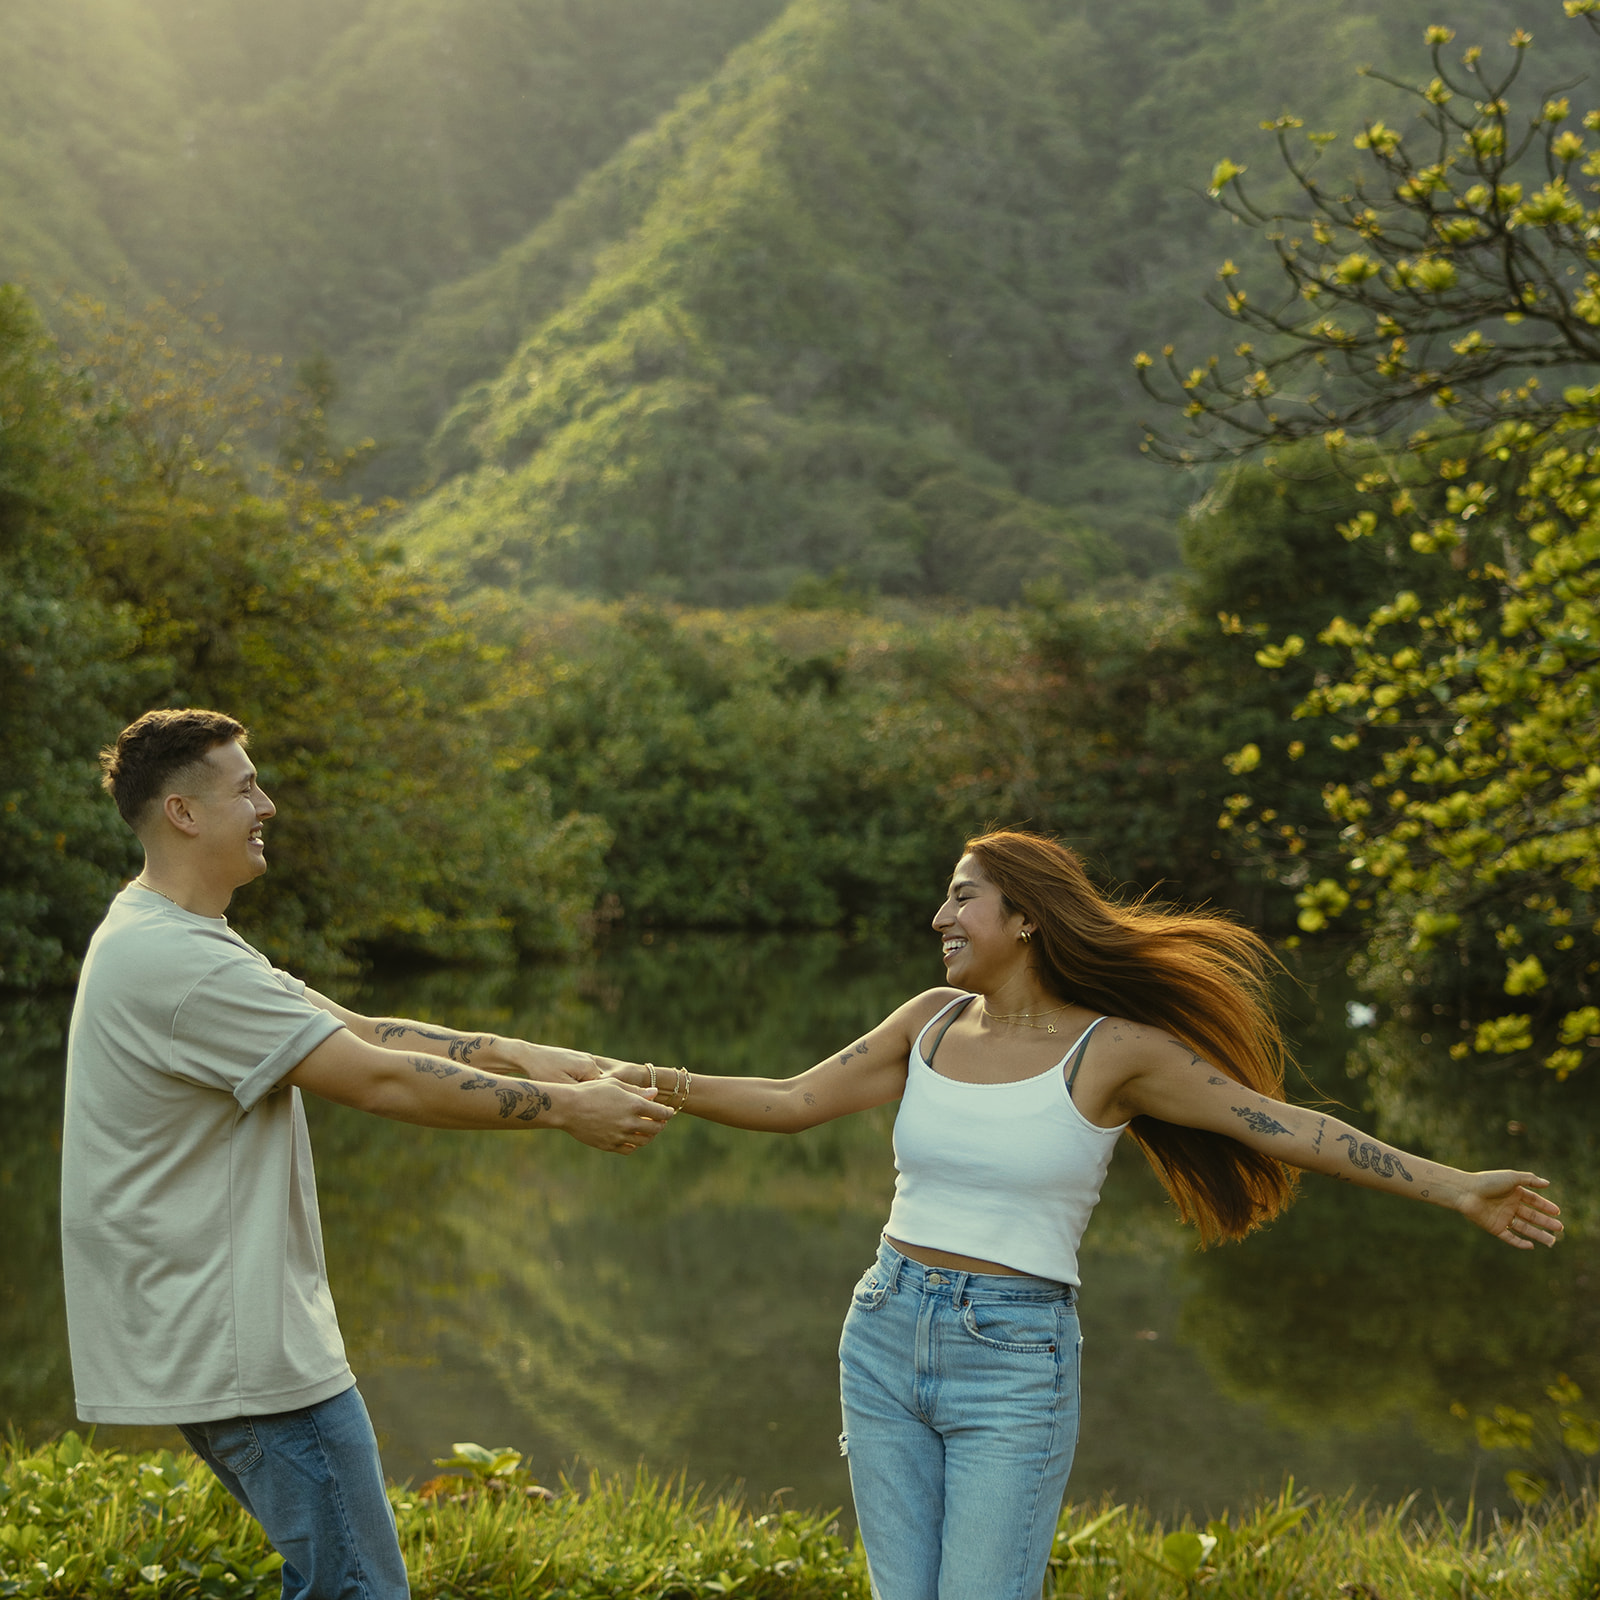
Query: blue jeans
[[313, 1481], [960, 1398]]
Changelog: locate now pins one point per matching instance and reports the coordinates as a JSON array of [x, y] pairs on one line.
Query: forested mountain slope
[[857, 299], [319, 164], [88, 99], [867, 301]]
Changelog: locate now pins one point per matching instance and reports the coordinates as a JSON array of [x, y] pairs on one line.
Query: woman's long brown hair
[[1197, 974]]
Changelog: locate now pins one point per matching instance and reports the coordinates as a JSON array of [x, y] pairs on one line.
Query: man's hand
[[1506, 1205], [608, 1115], [543, 1063]]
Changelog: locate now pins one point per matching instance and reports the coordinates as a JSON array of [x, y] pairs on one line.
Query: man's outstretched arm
[[544, 1063], [430, 1090]]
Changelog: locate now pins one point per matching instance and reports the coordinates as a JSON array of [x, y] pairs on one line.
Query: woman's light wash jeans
[[960, 1397], [312, 1479]]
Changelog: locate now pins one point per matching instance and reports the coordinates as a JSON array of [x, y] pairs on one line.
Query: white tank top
[[1006, 1172]]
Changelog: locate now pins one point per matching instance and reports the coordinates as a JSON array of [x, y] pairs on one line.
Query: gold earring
[[1024, 936]]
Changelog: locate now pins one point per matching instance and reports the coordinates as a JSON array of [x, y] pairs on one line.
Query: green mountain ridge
[[857, 300], [772, 373], [865, 304]]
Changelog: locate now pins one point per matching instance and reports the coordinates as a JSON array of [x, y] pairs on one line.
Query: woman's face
[[981, 939]]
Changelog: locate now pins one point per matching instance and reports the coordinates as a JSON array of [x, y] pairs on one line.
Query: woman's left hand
[[1508, 1205]]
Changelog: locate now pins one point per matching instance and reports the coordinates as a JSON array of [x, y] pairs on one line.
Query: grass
[[79, 1521]]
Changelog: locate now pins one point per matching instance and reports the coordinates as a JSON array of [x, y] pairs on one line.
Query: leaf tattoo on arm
[[1258, 1121]]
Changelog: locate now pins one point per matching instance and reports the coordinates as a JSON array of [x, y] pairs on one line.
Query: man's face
[[230, 808]]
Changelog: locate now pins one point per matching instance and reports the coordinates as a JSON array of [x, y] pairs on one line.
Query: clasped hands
[[616, 1111]]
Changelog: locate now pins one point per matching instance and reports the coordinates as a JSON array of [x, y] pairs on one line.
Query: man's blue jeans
[[313, 1481], [960, 1396]]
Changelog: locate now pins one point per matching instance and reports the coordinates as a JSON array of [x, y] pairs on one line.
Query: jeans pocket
[[870, 1290], [1027, 1327], [234, 1444]]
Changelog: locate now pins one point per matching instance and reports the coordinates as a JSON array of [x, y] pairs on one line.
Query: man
[[196, 1289]]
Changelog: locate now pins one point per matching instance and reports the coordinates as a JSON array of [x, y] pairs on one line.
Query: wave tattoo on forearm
[[1373, 1158], [459, 1047], [523, 1101]]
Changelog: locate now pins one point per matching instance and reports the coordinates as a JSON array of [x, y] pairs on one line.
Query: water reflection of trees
[[1351, 1311], [682, 1306]]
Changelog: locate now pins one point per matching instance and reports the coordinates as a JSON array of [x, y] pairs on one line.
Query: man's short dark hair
[[149, 753]]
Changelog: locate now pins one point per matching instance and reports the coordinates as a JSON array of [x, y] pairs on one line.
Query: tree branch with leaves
[[1422, 306]]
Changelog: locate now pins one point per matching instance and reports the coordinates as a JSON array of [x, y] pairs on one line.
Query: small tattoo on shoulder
[[1194, 1060], [1258, 1121]]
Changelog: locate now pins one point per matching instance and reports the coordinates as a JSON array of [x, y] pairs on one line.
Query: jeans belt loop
[[893, 1284], [958, 1288]]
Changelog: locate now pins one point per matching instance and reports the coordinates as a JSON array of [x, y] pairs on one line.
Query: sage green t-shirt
[[196, 1288]]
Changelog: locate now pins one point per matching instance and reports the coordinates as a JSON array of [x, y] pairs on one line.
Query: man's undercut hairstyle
[[139, 768]]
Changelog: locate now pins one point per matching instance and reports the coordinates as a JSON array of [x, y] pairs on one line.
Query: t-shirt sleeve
[[243, 1027]]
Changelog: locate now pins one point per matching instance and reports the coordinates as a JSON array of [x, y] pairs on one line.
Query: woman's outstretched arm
[[1145, 1072], [869, 1072]]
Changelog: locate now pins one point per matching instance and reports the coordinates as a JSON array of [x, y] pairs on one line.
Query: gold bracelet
[[688, 1078], [681, 1089]]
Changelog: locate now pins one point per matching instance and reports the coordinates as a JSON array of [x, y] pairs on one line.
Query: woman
[[1068, 1021]]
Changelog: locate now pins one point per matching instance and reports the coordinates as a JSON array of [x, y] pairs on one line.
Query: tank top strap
[[954, 1010], [1076, 1059]]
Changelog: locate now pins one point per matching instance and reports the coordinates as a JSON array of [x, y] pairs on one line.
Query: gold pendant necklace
[[139, 881], [1025, 1019]]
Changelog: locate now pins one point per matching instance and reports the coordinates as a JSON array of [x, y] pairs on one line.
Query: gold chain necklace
[[1024, 1019], [153, 890]]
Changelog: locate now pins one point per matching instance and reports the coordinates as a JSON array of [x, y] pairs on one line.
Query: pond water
[[680, 1308]]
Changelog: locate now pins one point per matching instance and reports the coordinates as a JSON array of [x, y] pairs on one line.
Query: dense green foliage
[[149, 567], [804, 765], [821, 768], [60, 646], [77, 1520]]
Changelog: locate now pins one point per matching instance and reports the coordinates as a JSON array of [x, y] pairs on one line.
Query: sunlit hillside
[[319, 165], [857, 299]]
